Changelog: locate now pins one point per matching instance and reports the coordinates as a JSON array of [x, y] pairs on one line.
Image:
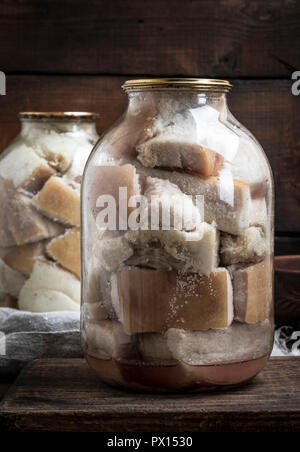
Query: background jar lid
[[59, 115]]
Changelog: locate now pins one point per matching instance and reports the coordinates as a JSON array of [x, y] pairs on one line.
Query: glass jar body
[[177, 247], [40, 178]]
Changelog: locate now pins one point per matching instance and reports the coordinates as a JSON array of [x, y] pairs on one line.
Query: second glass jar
[[40, 177]]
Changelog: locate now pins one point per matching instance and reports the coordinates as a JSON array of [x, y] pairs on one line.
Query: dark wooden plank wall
[[74, 55], [195, 37]]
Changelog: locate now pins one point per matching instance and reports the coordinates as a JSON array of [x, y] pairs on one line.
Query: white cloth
[[286, 342], [27, 335]]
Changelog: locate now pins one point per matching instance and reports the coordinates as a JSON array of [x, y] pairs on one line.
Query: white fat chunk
[[57, 148], [259, 213], [49, 277], [113, 252], [107, 339], [26, 224], [21, 223], [185, 251], [195, 251], [228, 218], [168, 207], [180, 124], [80, 157], [154, 349], [25, 168], [44, 300], [175, 152], [250, 246], [213, 134], [238, 342]]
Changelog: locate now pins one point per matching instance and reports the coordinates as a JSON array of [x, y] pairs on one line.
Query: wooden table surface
[[65, 395]]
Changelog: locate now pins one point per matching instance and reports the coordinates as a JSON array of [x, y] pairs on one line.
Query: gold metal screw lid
[[197, 84], [59, 115]]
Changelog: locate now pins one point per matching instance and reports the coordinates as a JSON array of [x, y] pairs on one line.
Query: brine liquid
[[179, 377]]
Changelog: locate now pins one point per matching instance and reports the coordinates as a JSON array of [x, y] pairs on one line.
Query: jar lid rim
[[201, 84], [68, 115]]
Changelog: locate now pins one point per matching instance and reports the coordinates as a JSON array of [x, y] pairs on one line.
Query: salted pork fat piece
[[227, 203], [113, 251], [200, 126], [229, 217], [25, 169], [95, 282], [168, 207], [22, 223], [106, 339], [59, 201], [98, 287], [238, 342], [113, 181], [50, 288], [57, 148], [27, 224], [170, 119], [175, 153], [154, 349], [44, 300], [259, 213], [249, 246], [22, 258], [65, 250], [153, 300], [11, 281], [80, 157], [251, 292], [194, 251]]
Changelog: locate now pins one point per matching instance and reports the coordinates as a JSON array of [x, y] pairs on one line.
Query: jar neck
[[59, 126], [160, 102]]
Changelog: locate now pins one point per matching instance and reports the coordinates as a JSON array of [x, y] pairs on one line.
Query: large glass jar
[[177, 243], [40, 178]]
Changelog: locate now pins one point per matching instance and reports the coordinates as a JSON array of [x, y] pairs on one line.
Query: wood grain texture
[[266, 107], [48, 390], [3, 389], [287, 246], [214, 38]]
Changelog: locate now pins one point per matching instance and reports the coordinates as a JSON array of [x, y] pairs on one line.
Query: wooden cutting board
[[65, 395]]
